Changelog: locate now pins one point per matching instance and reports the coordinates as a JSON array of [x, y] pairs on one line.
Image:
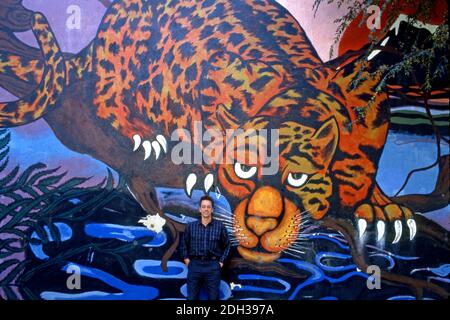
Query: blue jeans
[[203, 273]]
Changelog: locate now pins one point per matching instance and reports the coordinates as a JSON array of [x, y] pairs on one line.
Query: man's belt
[[203, 258]]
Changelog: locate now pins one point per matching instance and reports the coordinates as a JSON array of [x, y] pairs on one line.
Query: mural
[[332, 176]]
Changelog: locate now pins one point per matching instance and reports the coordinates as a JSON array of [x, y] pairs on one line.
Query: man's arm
[[225, 239], [184, 245]]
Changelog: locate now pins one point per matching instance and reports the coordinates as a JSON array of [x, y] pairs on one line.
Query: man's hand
[[221, 264], [186, 262]]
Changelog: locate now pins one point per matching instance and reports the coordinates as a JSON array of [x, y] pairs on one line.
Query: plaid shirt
[[211, 240]]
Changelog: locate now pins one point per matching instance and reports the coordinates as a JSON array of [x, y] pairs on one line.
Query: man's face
[[206, 208]]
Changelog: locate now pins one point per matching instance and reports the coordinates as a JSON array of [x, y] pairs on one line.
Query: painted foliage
[[169, 100]]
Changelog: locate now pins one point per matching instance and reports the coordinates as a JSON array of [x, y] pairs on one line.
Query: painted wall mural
[[330, 171]]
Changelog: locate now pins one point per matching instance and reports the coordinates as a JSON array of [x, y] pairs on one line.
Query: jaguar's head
[[270, 205]]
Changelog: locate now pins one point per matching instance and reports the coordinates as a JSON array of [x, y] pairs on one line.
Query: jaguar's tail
[[51, 72]]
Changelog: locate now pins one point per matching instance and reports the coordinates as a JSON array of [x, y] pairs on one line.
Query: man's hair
[[208, 198]]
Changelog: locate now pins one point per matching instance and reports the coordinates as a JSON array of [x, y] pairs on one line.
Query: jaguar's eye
[[243, 171], [297, 179]]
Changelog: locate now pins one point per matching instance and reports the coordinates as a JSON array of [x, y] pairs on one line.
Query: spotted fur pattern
[[51, 86]]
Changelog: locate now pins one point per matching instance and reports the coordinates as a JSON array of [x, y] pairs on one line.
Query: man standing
[[204, 247]]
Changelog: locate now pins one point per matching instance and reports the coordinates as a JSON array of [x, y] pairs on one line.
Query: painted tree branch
[[175, 229], [439, 198], [14, 16]]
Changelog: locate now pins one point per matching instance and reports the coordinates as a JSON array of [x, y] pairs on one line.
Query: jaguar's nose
[[266, 202]]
